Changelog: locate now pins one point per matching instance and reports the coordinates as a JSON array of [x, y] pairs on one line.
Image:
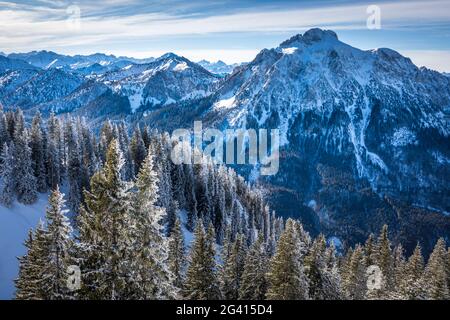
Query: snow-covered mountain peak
[[169, 55], [309, 37]]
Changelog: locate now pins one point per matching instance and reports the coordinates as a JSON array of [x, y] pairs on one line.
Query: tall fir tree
[[399, 263], [152, 247], [33, 267], [137, 148], [106, 246], [201, 277], [354, 278], [38, 153], [286, 277], [436, 273], [384, 260], [74, 166], [53, 163], [8, 185], [369, 251], [23, 170], [4, 134], [59, 247], [411, 284], [254, 281], [321, 269], [177, 254], [233, 268]]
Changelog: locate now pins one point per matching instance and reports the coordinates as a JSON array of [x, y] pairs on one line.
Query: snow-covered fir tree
[[436, 273], [23, 170], [59, 247], [233, 268], [8, 185], [138, 150], [177, 254], [106, 244], [38, 153], [74, 166], [155, 278], [32, 267], [320, 265], [286, 276], [201, 277], [384, 260], [411, 283], [254, 284], [354, 280]]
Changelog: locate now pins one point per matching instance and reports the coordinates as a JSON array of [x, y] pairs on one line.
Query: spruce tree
[[411, 285], [152, 246], [4, 135], [33, 267], [436, 273], [254, 282], [354, 278], [59, 246], [23, 170], [384, 260], [201, 278], [232, 270], [38, 153], [314, 264], [177, 254], [137, 148], [321, 269], [7, 187], [398, 265], [106, 246], [286, 277], [74, 168], [55, 152], [369, 251]]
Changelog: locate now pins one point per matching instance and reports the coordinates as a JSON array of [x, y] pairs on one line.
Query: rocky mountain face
[[358, 129]]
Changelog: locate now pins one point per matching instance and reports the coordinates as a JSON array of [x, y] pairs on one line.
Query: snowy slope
[[15, 222]]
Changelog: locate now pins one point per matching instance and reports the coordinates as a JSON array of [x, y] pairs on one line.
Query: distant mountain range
[[52, 60], [365, 134], [219, 67]]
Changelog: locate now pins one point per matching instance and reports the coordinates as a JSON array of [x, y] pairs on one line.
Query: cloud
[[433, 59]]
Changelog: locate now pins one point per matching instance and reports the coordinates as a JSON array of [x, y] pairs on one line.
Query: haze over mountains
[[365, 134]]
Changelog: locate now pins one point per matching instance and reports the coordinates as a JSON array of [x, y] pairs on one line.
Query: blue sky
[[231, 30]]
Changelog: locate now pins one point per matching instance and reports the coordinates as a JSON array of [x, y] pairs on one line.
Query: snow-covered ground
[[14, 225]]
